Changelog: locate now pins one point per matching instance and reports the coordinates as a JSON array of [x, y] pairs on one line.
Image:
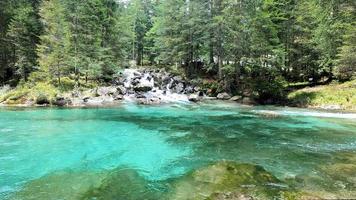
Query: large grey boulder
[[223, 96]]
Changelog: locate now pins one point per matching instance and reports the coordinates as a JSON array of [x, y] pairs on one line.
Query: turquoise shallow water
[[165, 142]]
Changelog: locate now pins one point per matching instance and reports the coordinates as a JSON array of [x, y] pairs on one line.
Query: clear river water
[[139, 152]]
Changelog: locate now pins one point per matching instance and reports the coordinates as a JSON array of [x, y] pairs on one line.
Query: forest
[[260, 46]]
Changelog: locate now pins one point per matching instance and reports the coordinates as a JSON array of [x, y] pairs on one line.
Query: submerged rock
[[60, 185], [219, 180], [120, 183], [125, 184]]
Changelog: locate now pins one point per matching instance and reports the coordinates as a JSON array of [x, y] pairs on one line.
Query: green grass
[[41, 92], [340, 95]]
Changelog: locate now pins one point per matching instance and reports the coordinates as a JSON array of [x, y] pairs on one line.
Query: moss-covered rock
[[67, 185], [124, 184], [224, 179]]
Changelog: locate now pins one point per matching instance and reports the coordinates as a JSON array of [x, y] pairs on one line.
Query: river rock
[[227, 181], [223, 96], [179, 88], [188, 90], [331, 107], [62, 101], [104, 91], [118, 97], [121, 90], [197, 88], [148, 101], [248, 100], [236, 98], [143, 88], [42, 99], [194, 97], [99, 101]]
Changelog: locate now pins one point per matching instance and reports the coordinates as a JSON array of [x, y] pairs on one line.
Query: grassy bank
[[333, 96]]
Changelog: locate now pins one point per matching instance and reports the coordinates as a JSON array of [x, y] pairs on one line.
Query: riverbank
[[149, 86], [334, 96]]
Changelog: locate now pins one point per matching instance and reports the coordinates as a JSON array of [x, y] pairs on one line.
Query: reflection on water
[[176, 152]]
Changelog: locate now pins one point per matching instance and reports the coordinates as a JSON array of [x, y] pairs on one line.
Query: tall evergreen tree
[[52, 49], [23, 34]]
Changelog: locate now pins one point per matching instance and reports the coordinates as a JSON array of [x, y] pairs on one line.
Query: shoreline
[[123, 102]]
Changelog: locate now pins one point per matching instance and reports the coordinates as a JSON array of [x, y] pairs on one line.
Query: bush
[[43, 93]]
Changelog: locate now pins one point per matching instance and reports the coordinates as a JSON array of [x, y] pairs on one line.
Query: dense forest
[[236, 44]]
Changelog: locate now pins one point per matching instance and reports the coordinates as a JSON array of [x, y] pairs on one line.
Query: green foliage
[[346, 64], [43, 93], [23, 32], [52, 51]]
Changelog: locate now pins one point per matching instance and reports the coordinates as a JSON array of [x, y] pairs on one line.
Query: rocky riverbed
[[141, 86]]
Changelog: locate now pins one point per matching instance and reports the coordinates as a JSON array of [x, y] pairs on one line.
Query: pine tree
[[346, 63], [23, 32], [52, 49]]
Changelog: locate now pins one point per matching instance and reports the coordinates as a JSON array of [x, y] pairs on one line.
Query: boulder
[[62, 101], [166, 79], [194, 97], [42, 99], [209, 98], [99, 101], [189, 90], [236, 98], [118, 97], [248, 100], [148, 101], [331, 107], [179, 88], [178, 78], [121, 90], [223, 96], [140, 96], [197, 89], [142, 88], [105, 91], [137, 74]]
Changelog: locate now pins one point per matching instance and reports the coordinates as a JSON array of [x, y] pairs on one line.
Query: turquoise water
[[161, 143]]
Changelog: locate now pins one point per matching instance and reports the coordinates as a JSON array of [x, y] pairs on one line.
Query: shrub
[[43, 93]]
